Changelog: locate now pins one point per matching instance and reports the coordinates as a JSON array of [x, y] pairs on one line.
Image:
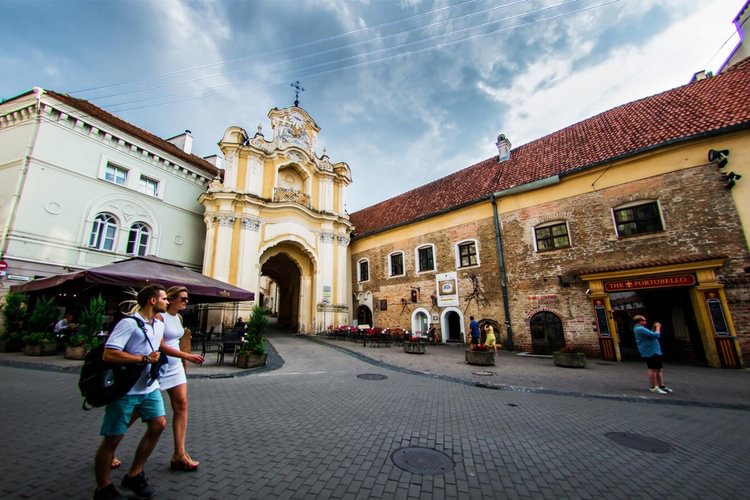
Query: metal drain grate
[[372, 376], [640, 442], [422, 460]]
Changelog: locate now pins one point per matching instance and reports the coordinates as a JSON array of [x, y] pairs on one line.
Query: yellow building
[[279, 212]]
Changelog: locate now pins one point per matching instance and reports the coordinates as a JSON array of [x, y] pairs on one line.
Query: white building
[[80, 187]]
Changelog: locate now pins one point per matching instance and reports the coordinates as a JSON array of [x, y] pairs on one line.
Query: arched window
[[138, 239], [103, 232]]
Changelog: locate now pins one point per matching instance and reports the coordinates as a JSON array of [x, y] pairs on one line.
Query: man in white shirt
[[130, 344]]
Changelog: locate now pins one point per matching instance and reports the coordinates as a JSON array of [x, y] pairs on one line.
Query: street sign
[[3, 265]]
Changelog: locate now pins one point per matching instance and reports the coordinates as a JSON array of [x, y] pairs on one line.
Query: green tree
[[255, 335]]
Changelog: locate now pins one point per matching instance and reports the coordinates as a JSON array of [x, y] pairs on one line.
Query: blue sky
[[404, 91]]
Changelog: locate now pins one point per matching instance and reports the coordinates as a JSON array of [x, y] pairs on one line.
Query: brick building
[[634, 210]]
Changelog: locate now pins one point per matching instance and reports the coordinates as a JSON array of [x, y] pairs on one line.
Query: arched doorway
[[546, 333], [364, 316], [420, 321], [285, 273], [452, 329]]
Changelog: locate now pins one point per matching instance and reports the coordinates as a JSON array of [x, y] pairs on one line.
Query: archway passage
[[546, 333], [284, 272]]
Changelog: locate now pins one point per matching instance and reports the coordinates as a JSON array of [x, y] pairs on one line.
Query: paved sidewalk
[[693, 385]]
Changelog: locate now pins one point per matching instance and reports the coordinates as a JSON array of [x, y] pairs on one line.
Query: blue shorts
[[117, 414]]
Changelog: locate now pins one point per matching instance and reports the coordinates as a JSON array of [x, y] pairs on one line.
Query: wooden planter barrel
[[481, 358], [248, 360], [47, 349], [77, 352], [414, 347], [569, 359]]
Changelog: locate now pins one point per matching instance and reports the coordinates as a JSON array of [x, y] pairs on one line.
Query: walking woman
[[173, 379]]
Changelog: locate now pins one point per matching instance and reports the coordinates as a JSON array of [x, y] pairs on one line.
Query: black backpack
[[102, 383]]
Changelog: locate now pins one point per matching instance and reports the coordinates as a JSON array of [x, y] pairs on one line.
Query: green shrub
[[43, 315], [14, 313], [255, 336]]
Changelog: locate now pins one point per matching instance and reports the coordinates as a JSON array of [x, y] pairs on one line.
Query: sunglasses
[[183, 299]]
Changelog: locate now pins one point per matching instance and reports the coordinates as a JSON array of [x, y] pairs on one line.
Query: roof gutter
[[548, 181]]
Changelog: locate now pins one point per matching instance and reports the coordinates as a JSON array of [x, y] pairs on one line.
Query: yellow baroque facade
[[279, 213]]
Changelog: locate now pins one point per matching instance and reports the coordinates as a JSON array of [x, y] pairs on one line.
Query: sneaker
[[109, 492], [657, 390], [665, 389], [138, 485]]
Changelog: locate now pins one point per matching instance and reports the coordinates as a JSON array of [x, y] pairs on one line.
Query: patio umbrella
[[136, 273]]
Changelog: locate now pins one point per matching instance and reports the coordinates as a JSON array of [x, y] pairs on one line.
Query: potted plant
[[252, 353], [91, 318], [568, 357], [41, 341], [479, 354], [39, 344], [14, 312], [414, 345], [75, 347]]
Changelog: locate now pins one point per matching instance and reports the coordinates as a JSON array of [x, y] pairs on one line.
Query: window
[[116, 175], [103, 232], [138, 239], [552, 236], [364, 270], [638, 219], [149, 186], [396, 262], [426, 259], [467, 254]]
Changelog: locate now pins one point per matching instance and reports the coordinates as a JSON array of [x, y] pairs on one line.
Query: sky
[[404, 91]]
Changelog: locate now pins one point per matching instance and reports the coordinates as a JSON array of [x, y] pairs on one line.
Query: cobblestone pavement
[[309, 426]]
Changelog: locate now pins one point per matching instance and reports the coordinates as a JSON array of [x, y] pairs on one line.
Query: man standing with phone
[[650, 350]]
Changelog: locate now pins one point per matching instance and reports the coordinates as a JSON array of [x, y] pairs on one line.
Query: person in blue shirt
[[474, 330], [650, 350]]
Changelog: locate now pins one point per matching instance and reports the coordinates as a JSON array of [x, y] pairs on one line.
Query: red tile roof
[[100, 114], [704, 108]]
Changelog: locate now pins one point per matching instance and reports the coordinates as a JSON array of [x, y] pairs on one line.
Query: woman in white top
[[172, 378]]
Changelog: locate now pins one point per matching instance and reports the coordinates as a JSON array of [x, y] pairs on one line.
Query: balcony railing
[[281, 195]]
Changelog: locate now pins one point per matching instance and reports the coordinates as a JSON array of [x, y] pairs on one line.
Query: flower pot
[[481, 358], [569, 359], [78, 352], [47, 349], [249, 360], [414, 347]]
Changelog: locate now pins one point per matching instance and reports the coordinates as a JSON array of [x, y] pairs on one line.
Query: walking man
[[474, 329], [650, 349], [128, 343]]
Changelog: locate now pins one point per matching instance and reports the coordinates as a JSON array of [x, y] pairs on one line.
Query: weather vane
[[297, 90]]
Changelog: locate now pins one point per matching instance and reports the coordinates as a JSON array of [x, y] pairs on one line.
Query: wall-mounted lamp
[[719, 155], [731, 178]]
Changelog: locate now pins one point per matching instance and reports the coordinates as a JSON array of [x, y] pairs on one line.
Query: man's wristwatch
[[146, 360]]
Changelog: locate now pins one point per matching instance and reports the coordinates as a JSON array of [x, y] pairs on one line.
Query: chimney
[[183, 141], [215, 160], [503, 148]]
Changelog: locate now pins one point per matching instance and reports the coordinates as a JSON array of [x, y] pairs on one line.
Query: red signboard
[[640, 283], [3, 265]]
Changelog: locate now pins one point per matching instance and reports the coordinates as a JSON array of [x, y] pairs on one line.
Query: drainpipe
[[23, 174], [499, 242]]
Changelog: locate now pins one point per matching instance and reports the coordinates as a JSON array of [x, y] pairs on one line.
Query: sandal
[[115, 463], [184, 465]]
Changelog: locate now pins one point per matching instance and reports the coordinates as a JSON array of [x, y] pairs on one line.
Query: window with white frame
[[138, 239], [638, 218], [467, 254], [103, 232], [550, 236], [363, 270], [425, 258], [149, 186], [396, 264], [116, 175]]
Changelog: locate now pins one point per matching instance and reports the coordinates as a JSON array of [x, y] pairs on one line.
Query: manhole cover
[[422, 460], [483, 374], [372, 376], [640, 442]]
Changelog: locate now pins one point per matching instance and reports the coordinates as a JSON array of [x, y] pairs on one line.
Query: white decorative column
[[209, 247], [230, 170], [247, 264]]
